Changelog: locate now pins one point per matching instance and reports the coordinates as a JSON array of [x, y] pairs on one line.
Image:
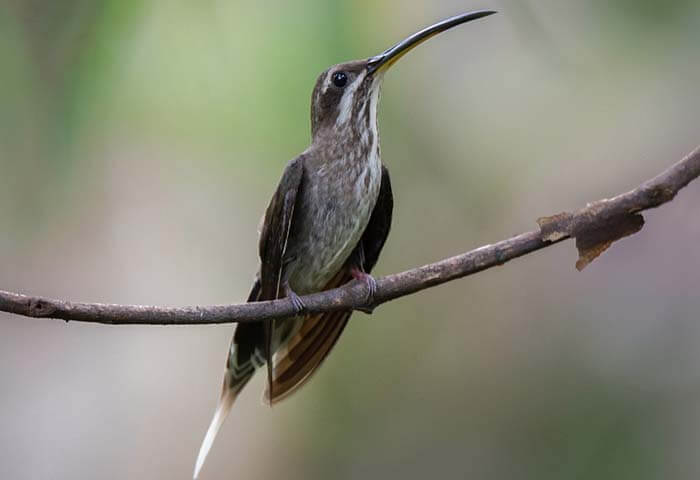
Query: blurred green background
[[140, 142]]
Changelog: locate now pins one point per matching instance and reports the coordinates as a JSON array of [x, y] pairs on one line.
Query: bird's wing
[[249, 336], [276, 226], [377, 230], [275, 230], [318, 333]]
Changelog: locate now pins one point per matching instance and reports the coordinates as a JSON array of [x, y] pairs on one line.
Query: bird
[[325, 226]]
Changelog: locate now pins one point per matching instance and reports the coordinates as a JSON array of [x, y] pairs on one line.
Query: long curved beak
[[387, 58]]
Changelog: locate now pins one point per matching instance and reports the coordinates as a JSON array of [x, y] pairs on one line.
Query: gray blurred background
[[140, 142]]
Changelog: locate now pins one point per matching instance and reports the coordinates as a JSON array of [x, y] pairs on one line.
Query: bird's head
[[346, 95]]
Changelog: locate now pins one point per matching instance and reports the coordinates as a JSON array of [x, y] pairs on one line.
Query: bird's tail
[[231, 389], [243, 359]]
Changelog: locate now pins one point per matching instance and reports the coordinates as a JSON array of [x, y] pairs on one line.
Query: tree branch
[[595, 227]]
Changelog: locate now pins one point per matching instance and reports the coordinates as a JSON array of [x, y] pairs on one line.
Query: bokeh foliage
[[140, 141]]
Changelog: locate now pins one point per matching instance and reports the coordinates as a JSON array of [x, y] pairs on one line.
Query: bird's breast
[[337, 202]]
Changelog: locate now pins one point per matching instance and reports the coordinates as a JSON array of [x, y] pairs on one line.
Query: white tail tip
[[227, 398]]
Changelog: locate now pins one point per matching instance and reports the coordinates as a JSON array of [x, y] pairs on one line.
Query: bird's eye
[[340, 79]]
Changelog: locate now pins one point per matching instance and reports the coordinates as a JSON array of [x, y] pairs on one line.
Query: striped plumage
[[325, 225], [327, 222]]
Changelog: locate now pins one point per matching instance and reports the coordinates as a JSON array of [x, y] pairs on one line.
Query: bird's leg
[[357, 271], [297, 302], [364, 277]]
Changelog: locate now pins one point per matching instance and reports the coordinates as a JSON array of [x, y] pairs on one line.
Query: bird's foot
[[371, 284], [297, 302]]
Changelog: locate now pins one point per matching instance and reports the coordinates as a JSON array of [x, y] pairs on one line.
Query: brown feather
[[307, 349], [273, 244], [301, 369]]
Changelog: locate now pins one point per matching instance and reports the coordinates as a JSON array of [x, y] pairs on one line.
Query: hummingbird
[[325, 226]]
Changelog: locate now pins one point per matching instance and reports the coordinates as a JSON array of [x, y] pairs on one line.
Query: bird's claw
[[371, 284], [297, 302]]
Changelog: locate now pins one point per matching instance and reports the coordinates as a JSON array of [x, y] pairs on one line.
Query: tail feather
[[243, 358], [228, 395]]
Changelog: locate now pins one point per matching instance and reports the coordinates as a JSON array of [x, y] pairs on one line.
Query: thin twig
[[595, 227]]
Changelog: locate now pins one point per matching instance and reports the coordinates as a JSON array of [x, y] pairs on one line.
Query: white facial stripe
[[374, 101], [346, 105], [326, 83]]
